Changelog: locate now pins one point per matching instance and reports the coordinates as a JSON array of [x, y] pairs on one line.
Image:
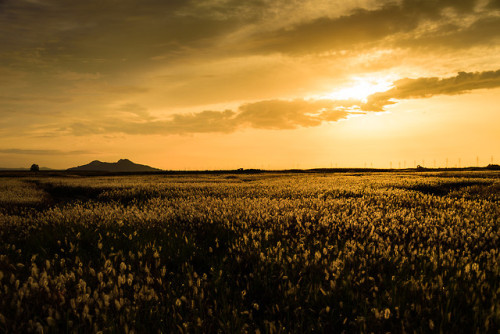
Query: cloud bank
[[428, 87], [103, 67], [270, 114], [403, 23], [292, 114]]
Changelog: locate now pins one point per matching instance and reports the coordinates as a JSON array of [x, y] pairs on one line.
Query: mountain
[[122, 165]]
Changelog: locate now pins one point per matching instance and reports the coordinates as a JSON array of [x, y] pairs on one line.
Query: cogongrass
[[292, 253]]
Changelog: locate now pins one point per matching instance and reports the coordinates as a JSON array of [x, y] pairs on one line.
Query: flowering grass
[[408, 252]]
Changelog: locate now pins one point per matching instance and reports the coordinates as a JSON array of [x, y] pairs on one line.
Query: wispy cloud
[[42, 152]]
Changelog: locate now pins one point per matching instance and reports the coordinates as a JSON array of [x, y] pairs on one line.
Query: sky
[[274, 84]]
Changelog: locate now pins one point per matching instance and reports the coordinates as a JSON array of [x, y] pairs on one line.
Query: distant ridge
[[122, 165]]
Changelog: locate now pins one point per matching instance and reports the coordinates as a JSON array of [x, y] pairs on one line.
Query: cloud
[[75, 76], [281, 114], [270, 114], [34, 99], [102, 36], [483, 31], [136, 110], [428, 87], [361, 26], [75, 65], [87, 37], [202, 122], [291, 114], [42, 152], [495, 4]]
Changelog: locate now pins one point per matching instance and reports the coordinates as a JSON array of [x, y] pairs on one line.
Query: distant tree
[[493, 167], [35, 168]]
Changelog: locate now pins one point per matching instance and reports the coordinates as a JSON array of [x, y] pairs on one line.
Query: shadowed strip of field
[[447, 188]]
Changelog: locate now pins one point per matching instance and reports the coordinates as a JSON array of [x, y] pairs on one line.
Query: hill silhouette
[[122, 165]]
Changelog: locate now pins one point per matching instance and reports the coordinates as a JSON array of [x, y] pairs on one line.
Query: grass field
[[365, 252]]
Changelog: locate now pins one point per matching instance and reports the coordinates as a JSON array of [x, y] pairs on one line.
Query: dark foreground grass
[[307, 253]]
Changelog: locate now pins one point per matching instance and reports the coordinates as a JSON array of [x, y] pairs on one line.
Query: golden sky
[[254, 84]]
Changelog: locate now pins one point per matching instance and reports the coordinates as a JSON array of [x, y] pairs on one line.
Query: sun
[[360, 89]]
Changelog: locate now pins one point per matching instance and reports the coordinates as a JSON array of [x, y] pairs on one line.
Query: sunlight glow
[[360, 89]]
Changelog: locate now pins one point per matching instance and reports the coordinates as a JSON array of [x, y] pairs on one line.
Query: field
[[348, 252]]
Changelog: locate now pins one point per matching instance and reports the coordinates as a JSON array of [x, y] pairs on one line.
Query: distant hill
[[122, 165]]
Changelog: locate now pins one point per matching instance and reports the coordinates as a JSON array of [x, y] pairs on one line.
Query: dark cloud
[[360, 26], [428, 87], [106, 36], [482, 32], [103, 36], [494, 4]]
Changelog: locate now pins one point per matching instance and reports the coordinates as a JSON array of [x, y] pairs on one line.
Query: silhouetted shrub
[[493, 167], [35, 168]]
